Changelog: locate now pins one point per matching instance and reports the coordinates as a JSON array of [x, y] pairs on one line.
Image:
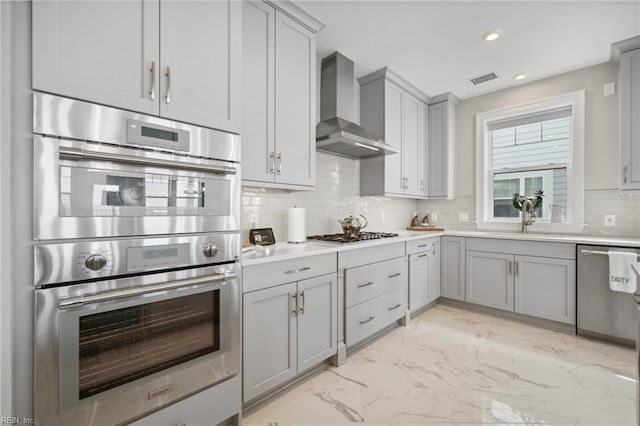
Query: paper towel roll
[[297, 225]]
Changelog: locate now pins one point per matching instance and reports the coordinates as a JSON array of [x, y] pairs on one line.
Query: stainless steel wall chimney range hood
[[337, 133]]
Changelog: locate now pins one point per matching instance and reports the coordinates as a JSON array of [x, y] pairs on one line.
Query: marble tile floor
[[451, 366]]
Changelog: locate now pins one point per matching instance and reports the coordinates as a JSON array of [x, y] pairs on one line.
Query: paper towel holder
[[262, 236]]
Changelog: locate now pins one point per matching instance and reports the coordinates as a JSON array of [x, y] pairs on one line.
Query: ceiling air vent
[[483, 78]]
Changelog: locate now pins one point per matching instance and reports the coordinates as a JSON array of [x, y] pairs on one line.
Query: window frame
[[574, 221]]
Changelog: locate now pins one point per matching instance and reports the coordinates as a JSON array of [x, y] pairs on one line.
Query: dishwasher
[[603, 313]]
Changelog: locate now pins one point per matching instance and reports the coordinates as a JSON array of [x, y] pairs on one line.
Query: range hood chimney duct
[[337, 133]]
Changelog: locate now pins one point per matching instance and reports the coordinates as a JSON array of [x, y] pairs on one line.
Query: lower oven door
[[110, 352]]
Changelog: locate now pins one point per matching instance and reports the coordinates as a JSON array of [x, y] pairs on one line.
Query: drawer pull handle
[[371, 318], [423, 245], [397, 274], [365, 284], [394, 307], [424, 255], [159, 391], [301, 303], [295, 271], [294, 301]]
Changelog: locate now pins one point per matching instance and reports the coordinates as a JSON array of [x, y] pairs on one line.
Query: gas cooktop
[[342, 238]]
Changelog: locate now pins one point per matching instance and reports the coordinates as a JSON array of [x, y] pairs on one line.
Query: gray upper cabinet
[[269, 338], [201, 61], [441, 148], [278, 123], [452, 263], [490, 279], [629, 93], [393, 110], [109, 53], [546, 288], [104, 52]]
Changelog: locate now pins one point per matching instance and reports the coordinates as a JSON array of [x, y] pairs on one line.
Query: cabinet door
[[437, 153], [258, 132], [317, 320], [453, 268], [411, 144], [546, 288], [270, 333], [201, 53], [433, 289], [99, 51], [630, 119], [419, 274], [393, 176], [295, 103], [490, 279], [423, 138]]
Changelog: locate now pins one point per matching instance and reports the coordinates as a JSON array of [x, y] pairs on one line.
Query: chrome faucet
[[528, 216]]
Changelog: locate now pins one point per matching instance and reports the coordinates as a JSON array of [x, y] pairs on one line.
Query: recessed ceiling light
[[492, 35], [520, 76]]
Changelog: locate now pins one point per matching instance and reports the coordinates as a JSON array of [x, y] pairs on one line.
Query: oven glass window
[[96, 192], [119, 346]]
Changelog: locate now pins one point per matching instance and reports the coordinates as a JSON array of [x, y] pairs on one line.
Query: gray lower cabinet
[[287, 329], [453, 268], [545, 288], [424, 273], [490, 279]]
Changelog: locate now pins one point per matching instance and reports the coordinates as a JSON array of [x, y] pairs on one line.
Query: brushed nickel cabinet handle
[[152, 93], [272, 163], [371, 318], [168, 95], [302, 303], [294, 301], [510, 268], [626, 169], [367, 284], [279, 159], [517, 266], [424, 255], [159, 391], [394, 307], [294, 271], [397, 274], [423, 245]]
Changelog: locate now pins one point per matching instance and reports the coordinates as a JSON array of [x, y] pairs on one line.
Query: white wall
[[601, 149], [5, 237]]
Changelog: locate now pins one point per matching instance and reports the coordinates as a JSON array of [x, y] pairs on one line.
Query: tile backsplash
[[337, 194]]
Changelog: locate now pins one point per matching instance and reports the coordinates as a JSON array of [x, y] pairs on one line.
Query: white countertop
[[285, 251]]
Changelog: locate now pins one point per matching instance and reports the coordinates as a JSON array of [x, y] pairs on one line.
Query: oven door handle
[[77, 154], [105, 296]]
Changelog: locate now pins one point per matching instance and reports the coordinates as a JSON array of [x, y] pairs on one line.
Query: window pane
[[504, 208], [531, 145], [505, 188], [531, 185]]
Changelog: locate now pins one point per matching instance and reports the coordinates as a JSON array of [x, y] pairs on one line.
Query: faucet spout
[[527, 214]]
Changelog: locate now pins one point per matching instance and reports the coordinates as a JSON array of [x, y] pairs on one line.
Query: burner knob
[[210, 250], [95, 262]]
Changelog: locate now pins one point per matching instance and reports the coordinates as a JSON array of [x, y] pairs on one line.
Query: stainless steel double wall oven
[[137, 291]]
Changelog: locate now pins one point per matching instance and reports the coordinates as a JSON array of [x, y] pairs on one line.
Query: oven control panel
[[105, 259]]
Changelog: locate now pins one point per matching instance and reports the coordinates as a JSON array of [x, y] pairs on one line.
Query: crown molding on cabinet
[[393, 77], [297, 14], [445, 97], [623, 46]]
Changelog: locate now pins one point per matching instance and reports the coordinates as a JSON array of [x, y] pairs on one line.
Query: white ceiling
[[438, 45]]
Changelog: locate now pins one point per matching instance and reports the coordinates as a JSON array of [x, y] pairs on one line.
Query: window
[[525, 149]]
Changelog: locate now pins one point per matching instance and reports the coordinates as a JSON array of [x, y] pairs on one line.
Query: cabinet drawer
[[525, 248], [366, 282], [421, 245], [256, 277], [369, 317], [365, 256]]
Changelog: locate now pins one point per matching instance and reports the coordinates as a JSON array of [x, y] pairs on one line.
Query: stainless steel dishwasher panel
[[603, 313]]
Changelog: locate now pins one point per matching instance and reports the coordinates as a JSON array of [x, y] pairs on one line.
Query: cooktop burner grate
[[342, 238]]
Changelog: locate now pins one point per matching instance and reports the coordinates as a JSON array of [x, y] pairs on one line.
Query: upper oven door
[[92, 190]]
